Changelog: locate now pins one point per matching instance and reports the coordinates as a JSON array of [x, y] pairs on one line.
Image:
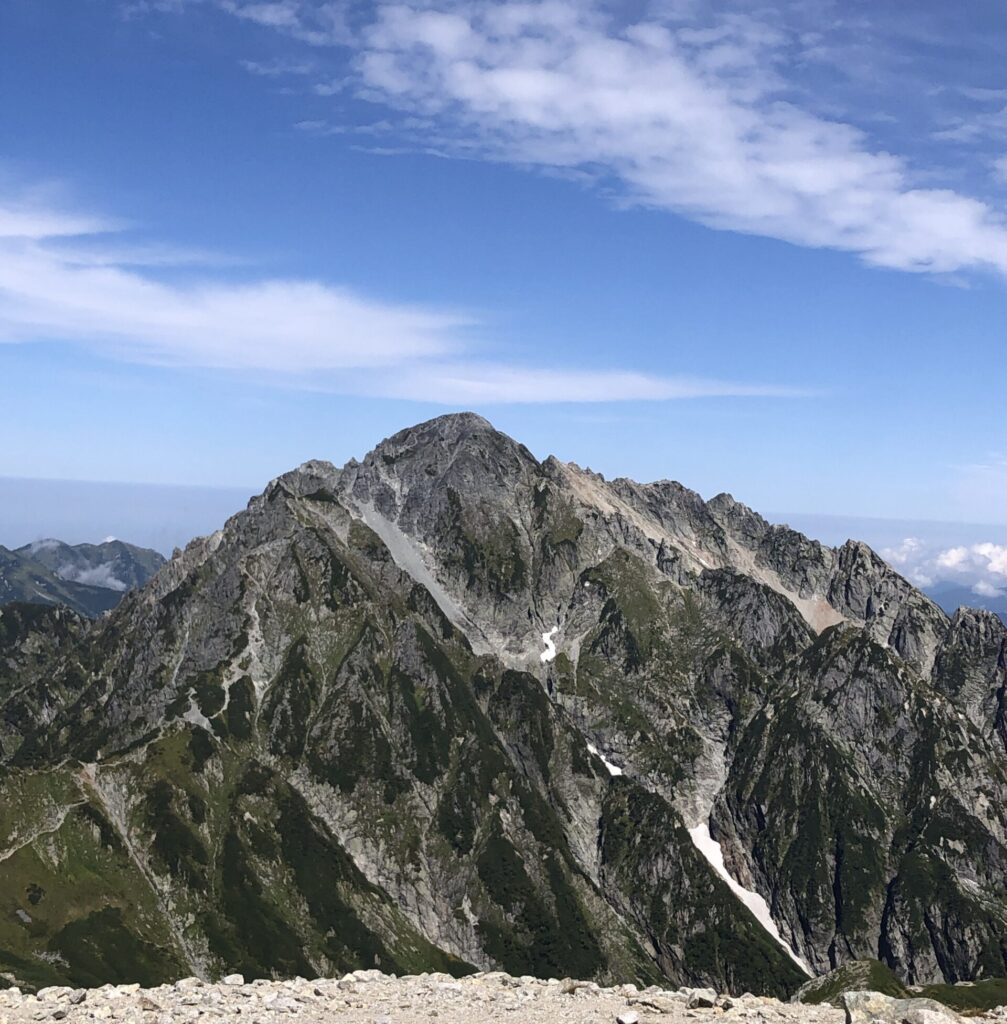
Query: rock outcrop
[[875, 1008]]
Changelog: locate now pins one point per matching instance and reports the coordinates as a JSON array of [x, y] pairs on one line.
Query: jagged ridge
[[326, 738]]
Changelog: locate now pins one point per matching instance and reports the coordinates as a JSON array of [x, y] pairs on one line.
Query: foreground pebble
[[370, 997]]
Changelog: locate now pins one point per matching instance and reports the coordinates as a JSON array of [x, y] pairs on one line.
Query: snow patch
[[613, 769], [550, 647], [710, 849]]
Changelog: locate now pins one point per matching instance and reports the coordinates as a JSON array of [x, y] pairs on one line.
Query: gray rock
[[871, 1007], [661, 1002], [701, 998]]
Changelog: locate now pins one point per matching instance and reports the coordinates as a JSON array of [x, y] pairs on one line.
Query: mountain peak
[[447, 429], [459, 444], [573, 704]]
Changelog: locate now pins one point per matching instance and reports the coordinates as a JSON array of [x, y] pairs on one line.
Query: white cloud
[[46, 544], [94, 576], [908, 550], [981, 566], [911, 557], [986, 557], [953, 558], [286, 325], [479, 383], [703, 110], [277, 68], [59, 283], [995, 556], [976, 128], [318, 24], [985, 589], [695, 120], [33, 222]]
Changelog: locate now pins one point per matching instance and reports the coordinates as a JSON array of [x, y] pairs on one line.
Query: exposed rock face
[[327, 738]]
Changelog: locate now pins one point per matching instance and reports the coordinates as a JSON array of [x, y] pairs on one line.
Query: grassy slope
[[874, 976]]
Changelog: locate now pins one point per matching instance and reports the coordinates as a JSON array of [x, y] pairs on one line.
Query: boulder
[[871, 1007]]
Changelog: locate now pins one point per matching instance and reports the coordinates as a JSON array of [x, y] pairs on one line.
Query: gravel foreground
[[370, 997]]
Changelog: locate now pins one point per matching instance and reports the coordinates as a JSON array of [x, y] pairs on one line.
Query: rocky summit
[[453, 709]]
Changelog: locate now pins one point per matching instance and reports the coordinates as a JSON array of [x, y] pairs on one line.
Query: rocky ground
[[369, 997]]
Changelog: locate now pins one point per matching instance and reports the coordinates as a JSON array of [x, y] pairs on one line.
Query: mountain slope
[[88, 578], [24, 579], [112, 564], [952, 596], [452, 707]]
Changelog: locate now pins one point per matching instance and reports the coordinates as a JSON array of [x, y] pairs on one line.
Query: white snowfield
[[711, 850], [613, 769], [550, 647]]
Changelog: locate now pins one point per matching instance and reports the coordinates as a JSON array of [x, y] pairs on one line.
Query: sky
[[758, 248]]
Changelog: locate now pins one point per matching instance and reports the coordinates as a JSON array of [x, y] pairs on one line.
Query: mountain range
[[453, 708], [951, 596], [88, 578]]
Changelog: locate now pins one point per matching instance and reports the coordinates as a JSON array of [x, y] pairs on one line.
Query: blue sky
[[759, 249]]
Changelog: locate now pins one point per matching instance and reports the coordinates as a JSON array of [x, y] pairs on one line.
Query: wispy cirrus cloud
[[317, 24], [457, 383], [292, 326], [62, 279], [703, 110], [699, 120], [277, 67]]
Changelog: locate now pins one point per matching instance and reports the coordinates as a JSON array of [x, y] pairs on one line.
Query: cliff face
[[452, 708]]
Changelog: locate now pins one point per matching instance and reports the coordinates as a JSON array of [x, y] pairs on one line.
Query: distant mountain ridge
[[88, 578], [952, 596], [453, 708]]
